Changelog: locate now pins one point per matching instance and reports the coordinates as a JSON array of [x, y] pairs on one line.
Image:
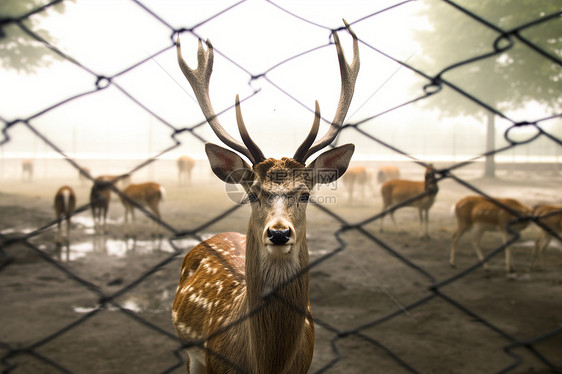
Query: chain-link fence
[[343, 344]]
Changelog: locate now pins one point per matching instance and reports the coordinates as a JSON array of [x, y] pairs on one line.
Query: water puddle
[[12, 230], [154, 302], [122, 247], [128, 304]]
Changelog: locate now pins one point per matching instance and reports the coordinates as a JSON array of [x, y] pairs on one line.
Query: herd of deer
[[147, 195], [242, 302], [476, 213]]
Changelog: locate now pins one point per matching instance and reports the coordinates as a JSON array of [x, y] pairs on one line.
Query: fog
[[59, 112]]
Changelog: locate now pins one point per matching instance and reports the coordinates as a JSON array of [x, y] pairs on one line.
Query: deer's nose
[[279, 237]]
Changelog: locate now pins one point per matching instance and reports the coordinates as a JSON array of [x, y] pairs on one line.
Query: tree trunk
[[490, 164]]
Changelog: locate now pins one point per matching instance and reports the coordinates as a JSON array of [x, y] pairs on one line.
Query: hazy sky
[[109, 36]]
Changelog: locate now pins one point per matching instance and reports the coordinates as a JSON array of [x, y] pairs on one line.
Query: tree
[[514, 75], [18, 50]]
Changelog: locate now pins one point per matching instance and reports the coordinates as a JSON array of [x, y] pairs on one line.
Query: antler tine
[[199, 79], [348, 77], [303, 148], [252, 147]]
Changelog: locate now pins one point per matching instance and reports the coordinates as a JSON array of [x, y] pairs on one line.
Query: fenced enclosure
[[105, 94]]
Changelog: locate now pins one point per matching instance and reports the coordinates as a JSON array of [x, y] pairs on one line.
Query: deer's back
[[399, 190], [480, 210]]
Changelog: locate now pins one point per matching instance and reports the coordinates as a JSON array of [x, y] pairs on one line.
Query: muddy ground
[[48, 301]]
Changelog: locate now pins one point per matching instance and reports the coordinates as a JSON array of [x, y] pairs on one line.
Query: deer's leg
[[126, 222], [540, 244], [156, 211], [68, 229], [543, 248], [508, 264], [476, 236], [133, 222], [456, 237], [393, 220], [58, 236], [94, 217], [423, 214], [105, 209]]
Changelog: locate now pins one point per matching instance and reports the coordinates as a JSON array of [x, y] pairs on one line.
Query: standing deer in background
[[551, 217], [359, 177], [185, 166], [387, 173], [246, 297], [100, 196], [65, 203], [27, 170], [482, 214], [147, 194], [420, 195]]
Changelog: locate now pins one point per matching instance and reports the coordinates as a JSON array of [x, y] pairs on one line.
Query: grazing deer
[[27, 170], [387, 173], [100, 196], [403, 193], [65, 203], [357, 176], [482, 214], [243, 300], [147, 194], [551, 217], [185, 166]]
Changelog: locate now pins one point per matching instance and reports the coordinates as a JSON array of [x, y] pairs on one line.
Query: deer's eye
[[304, 198]]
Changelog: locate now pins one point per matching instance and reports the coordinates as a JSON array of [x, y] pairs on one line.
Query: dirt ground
[[48, 305]]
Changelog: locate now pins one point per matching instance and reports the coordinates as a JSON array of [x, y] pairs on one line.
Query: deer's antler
[[199, 79], [348, 77]]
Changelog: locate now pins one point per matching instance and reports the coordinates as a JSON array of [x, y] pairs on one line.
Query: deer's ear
[[227, 165], [331, 165]]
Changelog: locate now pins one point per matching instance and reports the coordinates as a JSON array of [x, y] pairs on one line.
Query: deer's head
[[278, 190]]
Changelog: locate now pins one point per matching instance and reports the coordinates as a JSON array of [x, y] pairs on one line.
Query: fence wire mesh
[[15, 354]]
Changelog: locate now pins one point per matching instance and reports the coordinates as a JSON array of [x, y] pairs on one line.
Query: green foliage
[[508, 79], [18, 50]]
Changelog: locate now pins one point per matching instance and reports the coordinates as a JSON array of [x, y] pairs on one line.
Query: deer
[[242, 302], [147, 194], [100, 197], [399, 193], [551, 217], [387, 173], [27, 170], [483, 214], [185, 167], [359, 177], [65, 203]]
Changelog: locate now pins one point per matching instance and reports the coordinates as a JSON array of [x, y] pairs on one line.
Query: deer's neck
[[277, 302], [431, 186]]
